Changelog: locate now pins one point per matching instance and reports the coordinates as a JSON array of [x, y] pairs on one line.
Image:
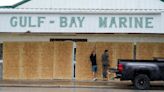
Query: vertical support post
[[73, 60], [134, 50]]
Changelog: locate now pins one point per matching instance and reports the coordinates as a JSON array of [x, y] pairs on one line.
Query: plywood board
[[46, 73], [11, 54], [83, 64], [62, 64], [38, 60], [11, 60], [31, 55], [160, 50], [46, 60], [148, 51], [122, 51], [116, 51], [11, 74]]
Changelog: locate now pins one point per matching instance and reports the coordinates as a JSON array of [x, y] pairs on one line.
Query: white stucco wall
[[162, 21]]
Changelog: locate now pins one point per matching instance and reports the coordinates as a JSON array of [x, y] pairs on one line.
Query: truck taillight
[[120, 67]]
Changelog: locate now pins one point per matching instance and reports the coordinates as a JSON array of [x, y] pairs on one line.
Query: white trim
[[78, 10]]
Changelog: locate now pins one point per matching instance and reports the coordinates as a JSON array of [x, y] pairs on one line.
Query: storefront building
[[52, 39]]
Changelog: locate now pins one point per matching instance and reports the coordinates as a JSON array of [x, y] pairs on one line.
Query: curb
[[55, 86]]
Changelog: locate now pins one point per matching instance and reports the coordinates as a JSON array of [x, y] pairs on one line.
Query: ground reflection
[[34, 89]]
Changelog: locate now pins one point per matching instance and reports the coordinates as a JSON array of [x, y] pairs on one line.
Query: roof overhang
[[13, 4], [79, 11]]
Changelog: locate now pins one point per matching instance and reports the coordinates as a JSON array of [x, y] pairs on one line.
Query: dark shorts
[[94, 68]]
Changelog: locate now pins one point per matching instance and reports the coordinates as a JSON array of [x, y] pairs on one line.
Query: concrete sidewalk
[[59, 83], [72, 83]]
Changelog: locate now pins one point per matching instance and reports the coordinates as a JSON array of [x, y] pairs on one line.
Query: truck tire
[[142, 81]]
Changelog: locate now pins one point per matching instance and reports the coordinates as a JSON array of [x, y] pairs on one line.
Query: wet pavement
[[51, 89], [59, 83], [74, 86]]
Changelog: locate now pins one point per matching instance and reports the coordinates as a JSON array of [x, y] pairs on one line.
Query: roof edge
[[16, 5], [81, 11]]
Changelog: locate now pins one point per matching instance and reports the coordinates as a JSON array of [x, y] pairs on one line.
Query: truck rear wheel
[[142, 81]]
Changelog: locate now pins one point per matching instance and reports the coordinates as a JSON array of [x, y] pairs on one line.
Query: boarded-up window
[[149, 50], [37, 60], [84, 49]]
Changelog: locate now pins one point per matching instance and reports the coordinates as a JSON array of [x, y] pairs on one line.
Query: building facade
[[135, 22]]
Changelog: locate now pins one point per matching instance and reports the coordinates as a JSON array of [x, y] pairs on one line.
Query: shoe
[[112, 78], [94, 79]]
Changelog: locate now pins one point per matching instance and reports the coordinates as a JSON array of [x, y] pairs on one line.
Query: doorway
[[74, 51]]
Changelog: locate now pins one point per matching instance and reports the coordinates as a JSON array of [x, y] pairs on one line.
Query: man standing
[[94, 64], [105, 63]]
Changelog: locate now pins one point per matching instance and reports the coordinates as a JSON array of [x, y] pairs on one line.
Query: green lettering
[[63, 21], [41, 20], [23, 21], [113, 22], [103, 22], [13, 21], [138, 22], [130, 22], [30, 22], [122, 22], [81, 21], [73, 22], [148, 23]]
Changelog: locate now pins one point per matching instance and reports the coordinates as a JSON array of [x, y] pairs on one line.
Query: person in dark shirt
[[105, 63], [94, 64]]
